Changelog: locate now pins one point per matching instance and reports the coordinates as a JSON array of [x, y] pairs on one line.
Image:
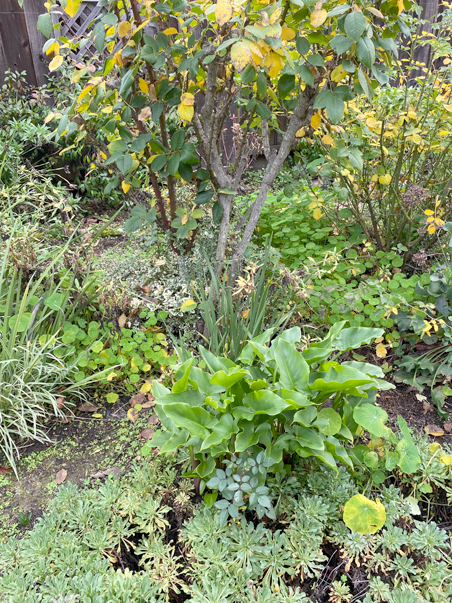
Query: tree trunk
[[300, 117], [223, 234]]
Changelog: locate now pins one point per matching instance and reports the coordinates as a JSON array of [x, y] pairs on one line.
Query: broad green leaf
[[196, 420], [192, 397], [293, 368], [175, 441], [223, 430], [306, 416], [335, 107], [177, 139], [409, 458], [183, 375], [45, 25], [364, 515], [308, 437], [372, 419], [341, 43], [339, 379], [295, 399], [355, 337], [199, 379], [337, 450], [229, 377], [286, 83], [306, 75], [366, 52], [328, 421], [303, 45], [355, 23], [215, 363], [265, 402]]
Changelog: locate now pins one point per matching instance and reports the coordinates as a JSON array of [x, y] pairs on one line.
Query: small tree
[[160, 80]]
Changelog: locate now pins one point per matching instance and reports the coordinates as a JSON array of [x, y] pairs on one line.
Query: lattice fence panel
[[79, 25]]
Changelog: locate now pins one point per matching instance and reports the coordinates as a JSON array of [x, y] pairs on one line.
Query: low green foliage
[[128, 355], [142, 538], [271, 399]]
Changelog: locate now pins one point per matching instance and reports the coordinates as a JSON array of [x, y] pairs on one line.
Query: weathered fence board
[[15, 40]]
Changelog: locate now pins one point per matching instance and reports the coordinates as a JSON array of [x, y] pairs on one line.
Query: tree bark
[[223, 233]]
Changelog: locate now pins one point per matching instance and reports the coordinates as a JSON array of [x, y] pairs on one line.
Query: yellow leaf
[[428, 212], [338, 74], [146, 387], [56, 62], [374, 178], [317, 214], [400, 5], [386, 179], [431, 229], [132, 414], [188, 305], [124, 28], [107, 109], [187, 99], [287, 34], [72, 7], [437, 203], [84, 92], [274, 63], [416, 139], [381, 351], [110, 31], [446, 459], [434, 430], [434, 447], [125, 186], [49, 117], [371, 122], [316, 120], [275, 15], [186, 112], [313, 205], [170, 31], [318, 17], [240, 55], [245, 314], [223, 11], [146, 367], [184, 219], [327, 139], [143, 85], [53, 49], [111, 376], [300, 133]]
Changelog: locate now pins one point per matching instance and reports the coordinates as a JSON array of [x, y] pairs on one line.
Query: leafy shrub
[[272, 398]]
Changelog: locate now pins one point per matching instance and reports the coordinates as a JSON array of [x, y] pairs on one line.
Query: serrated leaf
[[354, 25]]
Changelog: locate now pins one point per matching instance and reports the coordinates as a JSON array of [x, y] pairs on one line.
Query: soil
[[82, 447]]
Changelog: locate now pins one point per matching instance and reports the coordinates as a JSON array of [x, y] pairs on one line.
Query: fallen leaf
[[146, 387], [433, 430], [146, 289], [60, 402], [102, 474], [153, 420], [132, 414], [137, 399], [427, 407], [122, 320], [88, 407], [4, 470], [448, 426], [147, 433], [97, 415], [61, 476], [147, 405]]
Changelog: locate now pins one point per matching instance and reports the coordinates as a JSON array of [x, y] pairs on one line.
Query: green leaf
[[217, 212], [335, 107], [223, 430], [196, 420], [303, 45], [293, 368], [372, 419], [365, 85], [112, 397], [185, 172], [409, 458], [178, 139], [173, 164], [286, 83], [261, 84], [183, 375], [340, 379], [355, 337], [341, 43], [316, 59], [306, 75], [124, 163], [265, 402], [140, 143], [306, 416], [337, 450], [366, 52], [158, 163], [363, 515], [355, 23], [45, 25], [328, 421], [228, 378], [204, 197]]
